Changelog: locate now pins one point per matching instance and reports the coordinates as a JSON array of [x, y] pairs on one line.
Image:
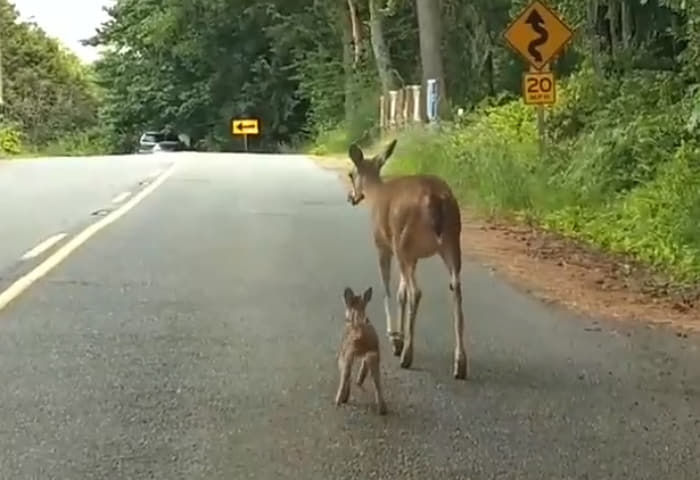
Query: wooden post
[[245, 142], [392, 108], [415, 102], [382, 113], [404, 100], [541, 124]]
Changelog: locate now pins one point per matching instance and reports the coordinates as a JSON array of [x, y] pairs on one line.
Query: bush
[[656, 222], [10, 140], [90, 142]]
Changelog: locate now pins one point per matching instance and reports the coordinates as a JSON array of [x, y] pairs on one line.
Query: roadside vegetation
[[50, 99]]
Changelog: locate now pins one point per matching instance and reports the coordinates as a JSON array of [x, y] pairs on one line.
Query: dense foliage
[[50, 101]]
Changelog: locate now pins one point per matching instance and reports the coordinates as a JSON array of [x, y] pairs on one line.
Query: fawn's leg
[[373, 360], [345, 367], [362, 372]]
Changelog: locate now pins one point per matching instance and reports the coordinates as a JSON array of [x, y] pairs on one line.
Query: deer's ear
[[355, 154], [382, 159], [348, 295], [367, 296]]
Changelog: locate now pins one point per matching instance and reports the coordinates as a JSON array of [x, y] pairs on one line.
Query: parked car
[[158, 141]]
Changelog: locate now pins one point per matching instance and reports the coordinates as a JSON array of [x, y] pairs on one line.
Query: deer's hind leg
[[412, 295], [452, 257]]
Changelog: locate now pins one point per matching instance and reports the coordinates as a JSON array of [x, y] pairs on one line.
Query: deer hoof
[[406, 357], [461, 368], [397, 345]]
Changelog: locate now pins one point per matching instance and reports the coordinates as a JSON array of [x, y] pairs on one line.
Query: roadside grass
[[79, 144]]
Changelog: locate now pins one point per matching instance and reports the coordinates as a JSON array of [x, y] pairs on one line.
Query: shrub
[[10, 140]]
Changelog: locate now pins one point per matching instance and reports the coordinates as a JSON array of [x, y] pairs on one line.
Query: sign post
[[538, 35], [245, 127]]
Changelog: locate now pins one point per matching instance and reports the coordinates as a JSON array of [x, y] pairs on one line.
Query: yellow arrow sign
[[538, 34], [245, 126]]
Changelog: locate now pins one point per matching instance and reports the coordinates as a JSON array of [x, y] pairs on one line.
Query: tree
[[430, 28], [382, 55], [48, 92]]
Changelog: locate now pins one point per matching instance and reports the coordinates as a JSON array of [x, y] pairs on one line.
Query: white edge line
[[121, 197], [43, 246], [21, 284]]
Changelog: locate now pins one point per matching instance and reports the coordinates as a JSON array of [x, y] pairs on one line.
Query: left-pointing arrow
[[240, 126]]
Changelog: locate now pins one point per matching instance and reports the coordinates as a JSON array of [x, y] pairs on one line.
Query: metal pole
[[245, 141], [541, 124]]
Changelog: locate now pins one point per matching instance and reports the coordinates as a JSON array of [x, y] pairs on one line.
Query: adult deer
[[413, 217]]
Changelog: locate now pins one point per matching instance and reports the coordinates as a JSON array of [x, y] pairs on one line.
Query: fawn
[[359, 341]]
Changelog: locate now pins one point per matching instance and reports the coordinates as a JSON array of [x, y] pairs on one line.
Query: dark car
[[158, 141]]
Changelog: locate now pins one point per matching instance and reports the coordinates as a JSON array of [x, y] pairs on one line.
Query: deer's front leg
[[394, 334]]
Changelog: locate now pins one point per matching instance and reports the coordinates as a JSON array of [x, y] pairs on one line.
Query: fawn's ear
[[367, 296], [348, 295], [355, 154]]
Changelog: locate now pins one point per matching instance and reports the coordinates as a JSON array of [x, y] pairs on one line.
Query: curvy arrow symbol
[[240, 126], [536, 21]]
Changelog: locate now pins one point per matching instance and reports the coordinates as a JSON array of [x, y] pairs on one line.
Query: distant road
[[43, 198]]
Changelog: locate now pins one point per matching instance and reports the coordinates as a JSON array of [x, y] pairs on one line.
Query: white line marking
[[121, 197], [154, 174], [43, 246], [21, 284]]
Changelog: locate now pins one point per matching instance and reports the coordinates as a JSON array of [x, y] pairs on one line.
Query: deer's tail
[[436, 211]]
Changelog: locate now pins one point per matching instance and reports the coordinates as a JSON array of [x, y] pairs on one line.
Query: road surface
[[44, 198], [195, 338]]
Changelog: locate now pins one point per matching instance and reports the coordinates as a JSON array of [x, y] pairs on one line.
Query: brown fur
[[360, 341], [413, 217]]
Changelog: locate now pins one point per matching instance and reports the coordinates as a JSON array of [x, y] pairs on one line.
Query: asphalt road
[[46, 197], [195, 338]]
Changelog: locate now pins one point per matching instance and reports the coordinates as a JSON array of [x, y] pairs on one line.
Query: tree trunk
[[614, 18], [490, 75], [387, 77], [348, 64], [593, 38], [627, 22], [430, 35], [356, 35]]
